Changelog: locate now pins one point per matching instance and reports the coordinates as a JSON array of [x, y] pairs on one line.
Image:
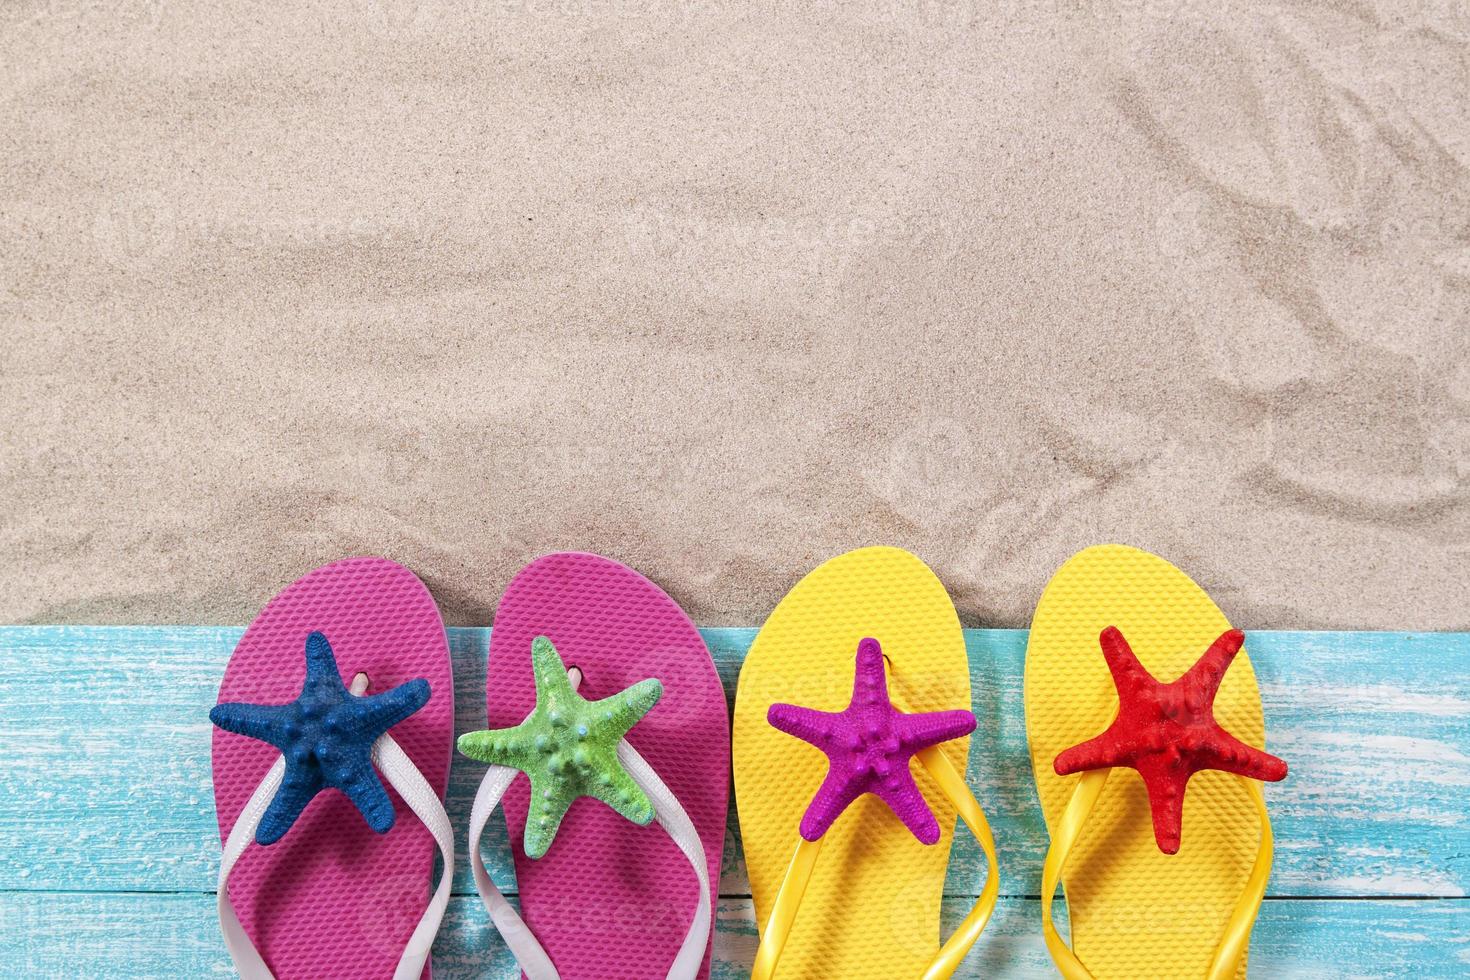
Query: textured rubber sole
[[332, 898], [1135, 911], [612, 900], [871, 909]]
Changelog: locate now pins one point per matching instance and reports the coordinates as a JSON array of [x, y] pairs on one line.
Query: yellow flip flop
[[1115, 619], [847, 844]]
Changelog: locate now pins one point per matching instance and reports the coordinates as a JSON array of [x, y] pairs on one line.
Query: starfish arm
[[321, 663], [1202, 681], [902, 795], [297, 789], [380, 712], [836, 794], [1225, 751], [1166, 785], [543, 816], [367, 793], [626, 708], [870, 678], [807, 724], [499, 746], [549, 670], [1128, 674], [624, 796], [265, 722], [920, 731], [1102, 752]]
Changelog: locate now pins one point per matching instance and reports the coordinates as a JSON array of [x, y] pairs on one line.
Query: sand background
[[721, 289]]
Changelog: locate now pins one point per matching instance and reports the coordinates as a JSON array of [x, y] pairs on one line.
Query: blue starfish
[[326, 736]]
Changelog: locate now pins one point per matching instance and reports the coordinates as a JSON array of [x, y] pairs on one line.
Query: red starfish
[[1168, 732]]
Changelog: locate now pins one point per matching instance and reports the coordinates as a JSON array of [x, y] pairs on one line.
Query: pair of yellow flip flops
[[847, 874]]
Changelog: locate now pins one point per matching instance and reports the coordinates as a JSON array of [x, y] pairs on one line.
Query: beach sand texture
[[721, 289]]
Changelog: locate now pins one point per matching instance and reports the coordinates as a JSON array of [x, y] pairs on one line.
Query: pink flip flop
[[583, 651], [338, 883]]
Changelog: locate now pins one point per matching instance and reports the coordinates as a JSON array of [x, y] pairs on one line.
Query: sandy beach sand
[[721, 289]]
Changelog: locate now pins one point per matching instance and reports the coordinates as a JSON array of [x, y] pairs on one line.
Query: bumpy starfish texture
[[868, 747], [326, 736], [568, 746], [1168, 732]]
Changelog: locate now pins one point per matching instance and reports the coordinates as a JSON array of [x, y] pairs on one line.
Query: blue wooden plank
[[64, 935], [105, 773]]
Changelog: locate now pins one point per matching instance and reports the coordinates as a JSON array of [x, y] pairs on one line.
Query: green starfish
[[568, 746]]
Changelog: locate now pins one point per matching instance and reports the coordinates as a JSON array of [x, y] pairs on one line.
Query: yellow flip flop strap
[[799, 872], [1237, 931], [952, 784]]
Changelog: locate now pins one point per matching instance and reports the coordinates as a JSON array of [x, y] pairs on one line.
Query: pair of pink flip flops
[[345, 676]]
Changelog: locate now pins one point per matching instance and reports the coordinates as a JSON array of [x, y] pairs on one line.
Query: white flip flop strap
[[512, 928], [400, 772], [242, 951], [666, 810], [415, 790], [680, 828]]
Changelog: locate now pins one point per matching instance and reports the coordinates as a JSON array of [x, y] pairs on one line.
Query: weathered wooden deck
[[108, 844]]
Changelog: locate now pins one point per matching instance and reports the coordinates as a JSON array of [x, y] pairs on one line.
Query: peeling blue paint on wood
[[108, 844], [75, 934]]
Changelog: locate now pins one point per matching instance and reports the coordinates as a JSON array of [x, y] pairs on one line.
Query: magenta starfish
[[1168, 731], [868, 747]]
